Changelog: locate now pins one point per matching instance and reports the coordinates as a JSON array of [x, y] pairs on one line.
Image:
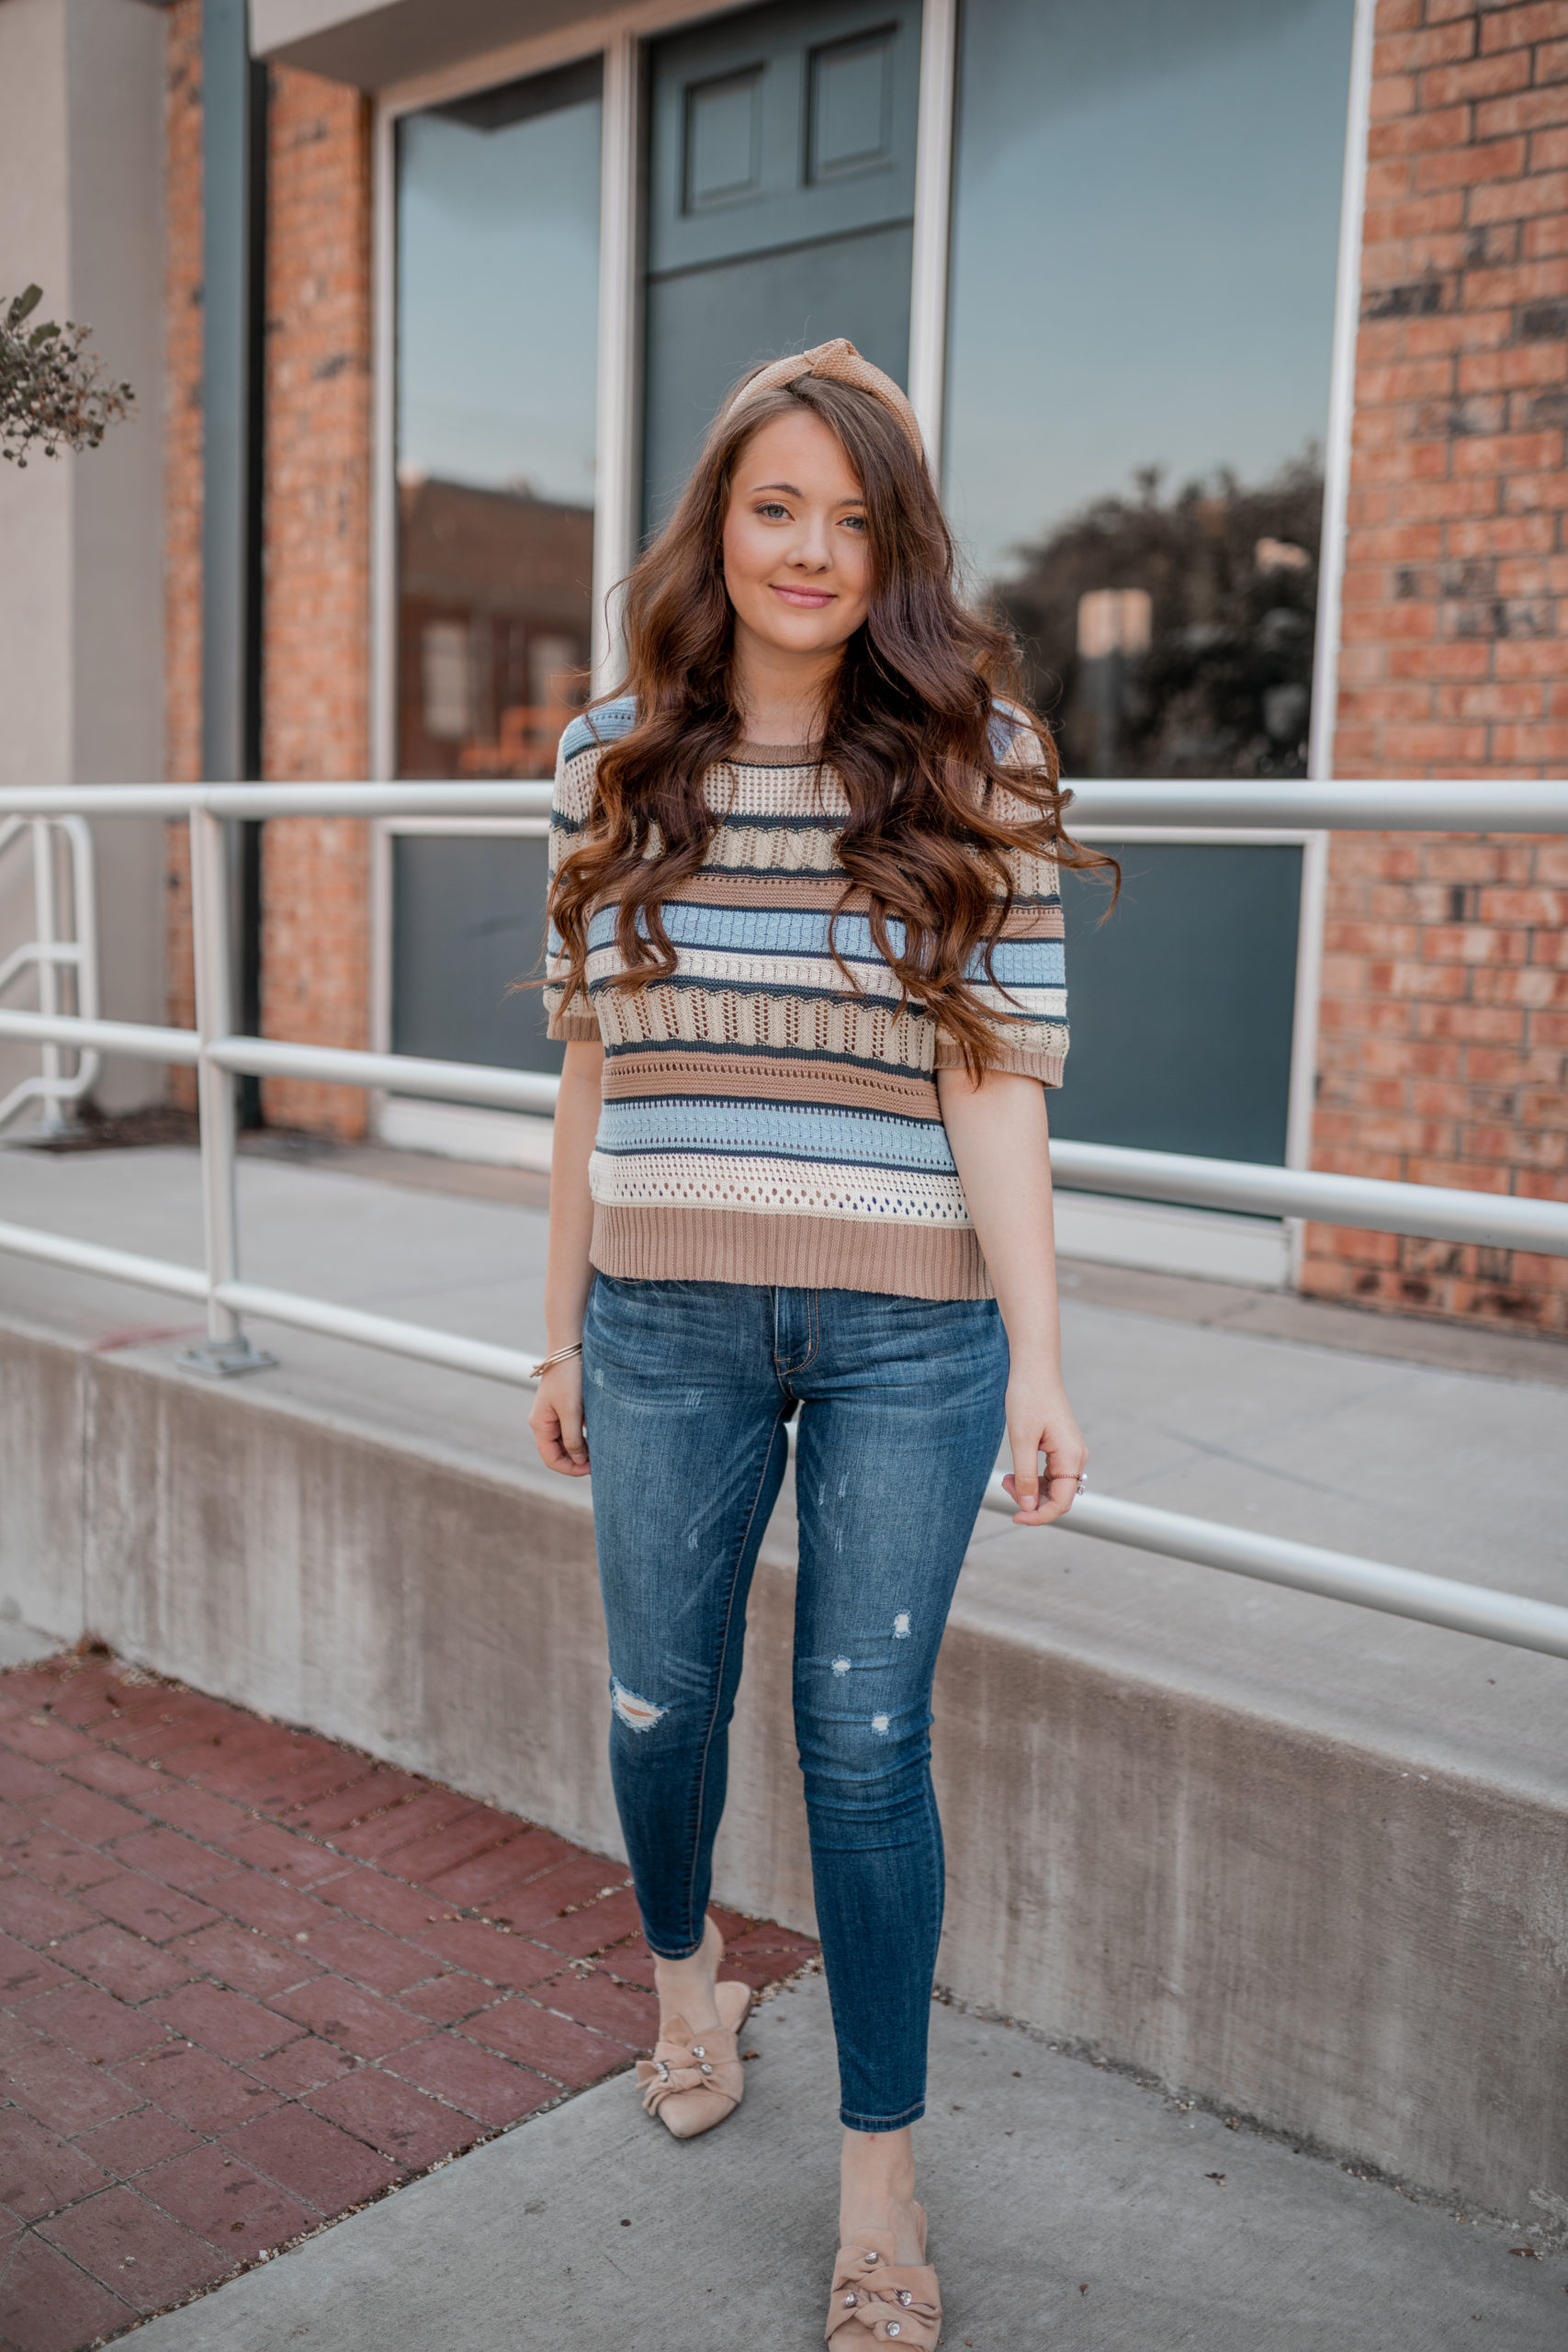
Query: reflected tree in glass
[[1172, 636], [1146, 229]]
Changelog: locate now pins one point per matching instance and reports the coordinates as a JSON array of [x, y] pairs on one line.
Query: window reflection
[[498, 251], [1136, 409]]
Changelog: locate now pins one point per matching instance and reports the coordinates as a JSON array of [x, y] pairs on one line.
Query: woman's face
[[796, 559]]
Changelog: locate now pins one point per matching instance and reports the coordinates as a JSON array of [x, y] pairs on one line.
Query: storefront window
[[497, 290], [498, 271], [1146, 229]]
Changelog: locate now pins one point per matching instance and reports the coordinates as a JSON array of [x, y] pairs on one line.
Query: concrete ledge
[[1339, 1940]]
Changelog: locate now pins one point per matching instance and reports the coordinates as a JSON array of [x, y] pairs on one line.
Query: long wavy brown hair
[[907, 727]]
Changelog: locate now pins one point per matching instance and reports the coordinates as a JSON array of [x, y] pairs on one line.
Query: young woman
[[805, 956]]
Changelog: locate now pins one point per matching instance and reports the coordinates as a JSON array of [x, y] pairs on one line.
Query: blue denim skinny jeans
[[687, 1388]]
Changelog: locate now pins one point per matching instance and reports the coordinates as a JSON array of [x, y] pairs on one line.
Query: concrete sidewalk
[[1069, 2208]]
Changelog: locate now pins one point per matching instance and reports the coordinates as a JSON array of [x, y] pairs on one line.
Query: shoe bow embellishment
[[888, 2301], [682, 2062]]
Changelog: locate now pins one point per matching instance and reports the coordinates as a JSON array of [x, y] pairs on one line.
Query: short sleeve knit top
[[762, 1121]]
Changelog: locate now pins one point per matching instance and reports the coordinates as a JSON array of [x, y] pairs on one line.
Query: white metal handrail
[[217, 1053], [1439, 1213], [1486, 806], [47, 954]]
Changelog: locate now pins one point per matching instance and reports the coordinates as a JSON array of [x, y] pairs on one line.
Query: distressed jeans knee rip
[[637, 1714]]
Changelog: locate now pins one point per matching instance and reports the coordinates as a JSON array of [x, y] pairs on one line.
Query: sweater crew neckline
[[775, 755]]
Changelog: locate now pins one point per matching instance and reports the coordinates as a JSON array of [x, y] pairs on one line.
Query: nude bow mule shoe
[[695, 2080]]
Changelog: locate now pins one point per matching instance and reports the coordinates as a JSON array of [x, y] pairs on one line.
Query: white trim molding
[[1161, 1239], [617, 482], [539, 53], [465, 1131], [1325, 722], [934, 206], [1341, 400]]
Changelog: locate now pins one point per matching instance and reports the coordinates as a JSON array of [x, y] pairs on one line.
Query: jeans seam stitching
[[815, 1329], [724, 1652], [785, 1372]]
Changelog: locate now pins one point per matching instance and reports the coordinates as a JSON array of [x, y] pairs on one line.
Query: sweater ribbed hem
[[698, 1244]]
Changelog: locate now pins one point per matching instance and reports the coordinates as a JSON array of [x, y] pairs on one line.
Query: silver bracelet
[[561, 1355]]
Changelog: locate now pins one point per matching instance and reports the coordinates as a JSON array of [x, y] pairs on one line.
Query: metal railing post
[[226, 1351], [45, 932]]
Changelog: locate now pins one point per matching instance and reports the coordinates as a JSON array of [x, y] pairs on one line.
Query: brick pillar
[[1444, 1053], [316, 641], [315, 655]]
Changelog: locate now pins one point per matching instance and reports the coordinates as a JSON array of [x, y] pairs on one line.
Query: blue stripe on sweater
[[766, 1130], [723, 1049], [764, 930], [605, 723]]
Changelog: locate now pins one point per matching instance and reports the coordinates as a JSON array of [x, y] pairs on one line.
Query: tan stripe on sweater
[[687, 1243], [763, 1079]]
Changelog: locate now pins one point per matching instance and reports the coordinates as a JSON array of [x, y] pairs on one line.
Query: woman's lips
[[809, 600]]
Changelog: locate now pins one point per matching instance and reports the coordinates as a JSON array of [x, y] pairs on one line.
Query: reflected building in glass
[[498, 238], [494, 622], [1145, 236]]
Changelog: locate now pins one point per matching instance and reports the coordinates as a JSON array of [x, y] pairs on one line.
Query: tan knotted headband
[[841, 363]]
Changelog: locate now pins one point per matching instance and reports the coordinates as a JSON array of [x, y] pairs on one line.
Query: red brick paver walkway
[[249, 1979]]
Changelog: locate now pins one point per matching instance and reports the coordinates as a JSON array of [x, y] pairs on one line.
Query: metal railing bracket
[[224, 1359]]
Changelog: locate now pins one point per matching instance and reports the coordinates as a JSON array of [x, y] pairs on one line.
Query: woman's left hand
[[1039, 1421]]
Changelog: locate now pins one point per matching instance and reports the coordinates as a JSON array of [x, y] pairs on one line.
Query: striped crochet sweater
[[761, 1122]]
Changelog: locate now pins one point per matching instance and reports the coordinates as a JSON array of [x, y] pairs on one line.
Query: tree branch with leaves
[[54, 393]]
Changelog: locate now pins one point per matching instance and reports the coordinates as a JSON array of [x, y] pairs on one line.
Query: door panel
[[1181, 1001], [781, 203], [468, 920]]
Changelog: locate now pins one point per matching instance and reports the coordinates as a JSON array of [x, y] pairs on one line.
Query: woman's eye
[[774, 513], [856, 522]]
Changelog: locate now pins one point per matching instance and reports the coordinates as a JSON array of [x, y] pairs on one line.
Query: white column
[[933, 202], [81, 587], [618, 491]]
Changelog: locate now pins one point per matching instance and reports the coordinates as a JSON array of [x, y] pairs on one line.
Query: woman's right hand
[[556, 1420]]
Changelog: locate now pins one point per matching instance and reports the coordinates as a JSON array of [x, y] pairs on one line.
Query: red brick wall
[[1444, 1053], [316, 633]]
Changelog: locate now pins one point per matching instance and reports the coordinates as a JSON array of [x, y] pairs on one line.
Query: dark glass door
[[1181, 1003], [780, 207]]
